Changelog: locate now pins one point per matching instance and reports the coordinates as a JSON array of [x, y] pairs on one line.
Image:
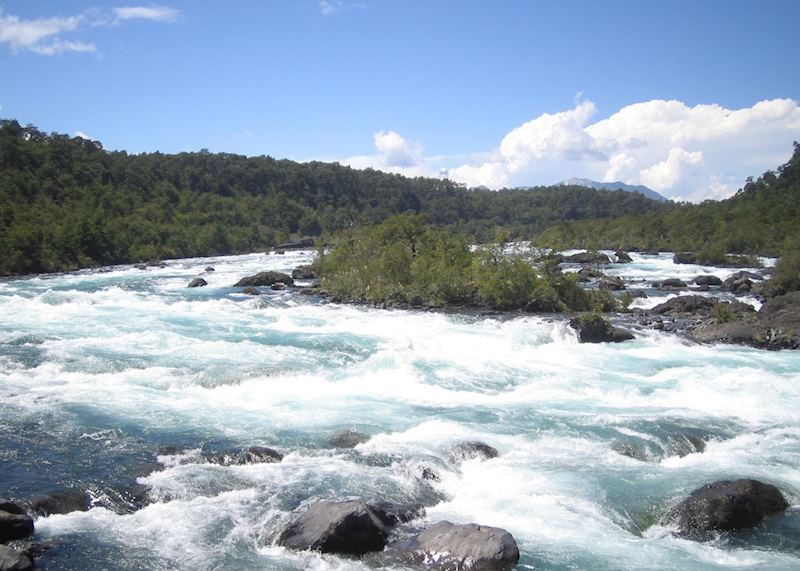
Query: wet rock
[[61, 502], [468, 547], [708, 281], [197, 282], [303, 243], [250, 290], [250, 455], [672, 283], [747, 275], [586, 274], [15, 526], [622, 257], [588, 258], [736, 284], [13, 560], [12, 507], [209, 269], [685, 304], [429, 473], [597, 329], [278, 286], [156, 264], [350, 527], [391, 513], [611, 283], [264, 279], [725, 505], [684, 258], [279, 252], [472, 449], [348, 439], [636, 293], [304, 273]]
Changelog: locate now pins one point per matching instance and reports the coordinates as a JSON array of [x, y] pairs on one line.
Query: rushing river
[[116, 382]]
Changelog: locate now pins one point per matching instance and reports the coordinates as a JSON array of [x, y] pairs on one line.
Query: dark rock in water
[[672, 283], [392, 514], [430, 474], [197, 282], [156, 264], [684, 258], [597, 329], [707, 281], [11, 507], [469, 547], [737, 284], [637, 293], [348, 439], [250, 290], [725, 505], [140, 266], [250, 455], [279, 252], [350, 527], [472, 449], [13, 560], [209, 269], [278, 286], [15, 526], [686, 304], [747, 275], [622, 257], [585, 274], [611, 283], [588, 258], [302, 244], [304, 273], [264, 279], [62, 502]]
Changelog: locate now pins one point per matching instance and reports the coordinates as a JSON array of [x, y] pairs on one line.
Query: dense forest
[[66, 203], [762, 218]]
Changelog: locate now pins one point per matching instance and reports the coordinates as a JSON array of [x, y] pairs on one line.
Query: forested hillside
[[67, 203], [762, 218]]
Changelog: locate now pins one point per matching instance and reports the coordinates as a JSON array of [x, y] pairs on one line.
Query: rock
[[264, 279], [250, 455], [585, 274], [209, 269], [279, 252], [140, 266], [622, 257], [707, 281], [672, 283], [636, 294], [725, 505], [15, 526], [391, 513], [685, 304], [747, 275], [737, 284], [156, 264], [302, 244], [62, 502], [429, 473], [11, 507], [588, 258], [13, 560], [278, 286], [597, 329], [304, 273], [250, 290], [348, 439], [472, 449], [468, 547], [350, 527], [197, 282], [611, 283], [684, 258]]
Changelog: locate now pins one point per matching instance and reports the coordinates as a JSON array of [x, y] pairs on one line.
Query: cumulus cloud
[[395, 154], [44, 36]]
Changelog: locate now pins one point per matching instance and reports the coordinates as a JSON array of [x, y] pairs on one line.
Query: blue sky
[[687, 97]]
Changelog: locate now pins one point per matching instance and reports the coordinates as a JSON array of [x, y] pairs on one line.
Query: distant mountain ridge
[[641, 189]]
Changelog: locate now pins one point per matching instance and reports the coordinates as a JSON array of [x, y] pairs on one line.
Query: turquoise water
[[118, 380]]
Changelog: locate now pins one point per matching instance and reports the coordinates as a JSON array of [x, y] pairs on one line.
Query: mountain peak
[[641, 189]]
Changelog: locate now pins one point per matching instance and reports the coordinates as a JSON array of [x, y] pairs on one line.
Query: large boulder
[[391, 513], [197, 282], [468, 547], [586, 274], [597, 329], [693, 304], [250, 455], [737, 284], [61, 502], [13, 560], [262, 279], [622, 257], [707, 281], [672, 283], [15, 526], [588, 258], [611, 283], [470, 450], [724, 506], [350, 527], [684, 258], [304, 273]]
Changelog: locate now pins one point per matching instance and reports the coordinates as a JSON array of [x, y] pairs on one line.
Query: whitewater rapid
[[121, 379]]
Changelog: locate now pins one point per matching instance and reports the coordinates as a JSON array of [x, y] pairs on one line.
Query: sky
[[686, 97]]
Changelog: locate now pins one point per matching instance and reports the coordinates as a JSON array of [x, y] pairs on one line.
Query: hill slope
[[641, 189]]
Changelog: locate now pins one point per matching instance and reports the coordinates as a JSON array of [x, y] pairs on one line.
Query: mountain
[[649, 193]]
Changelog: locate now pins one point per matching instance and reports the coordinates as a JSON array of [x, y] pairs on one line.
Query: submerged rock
[[348, 439], [597, 329], [15, 526], [278, 286], [13, 560], [471, 450], [350, 527], [724, 506], [209, 269], [250, 455], [197, 282], [250, 290], [468, 547], [264, 279], [61, 502]]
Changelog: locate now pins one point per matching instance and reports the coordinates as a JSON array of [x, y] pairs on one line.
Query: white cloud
[[329, 7], [83, 135], [154, 13], [394, 154]]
